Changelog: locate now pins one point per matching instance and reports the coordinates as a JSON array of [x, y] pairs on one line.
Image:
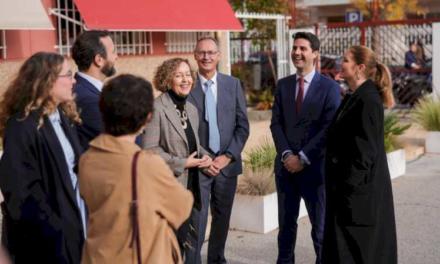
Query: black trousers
[[290, 189], [218, 193]]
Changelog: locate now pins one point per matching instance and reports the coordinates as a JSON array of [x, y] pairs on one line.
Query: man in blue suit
[[94, 53], [223, 130], [304, 106]]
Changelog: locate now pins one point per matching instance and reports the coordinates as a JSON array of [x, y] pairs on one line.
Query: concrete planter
[[259, 115], [432, 143], [257, 214], [396, 163]]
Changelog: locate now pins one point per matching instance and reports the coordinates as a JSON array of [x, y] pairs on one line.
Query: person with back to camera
[[359, 224], [134, 201]]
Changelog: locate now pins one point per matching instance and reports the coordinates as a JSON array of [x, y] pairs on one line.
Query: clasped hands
[[293, 164], [209, 166]]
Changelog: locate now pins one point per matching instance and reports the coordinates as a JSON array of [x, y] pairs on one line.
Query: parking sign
[[353, 16]]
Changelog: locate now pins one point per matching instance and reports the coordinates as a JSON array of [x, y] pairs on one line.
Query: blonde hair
[[376, 71], [30, 90]]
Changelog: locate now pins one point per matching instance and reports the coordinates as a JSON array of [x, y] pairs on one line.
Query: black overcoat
[[360, 225], [42, 222]]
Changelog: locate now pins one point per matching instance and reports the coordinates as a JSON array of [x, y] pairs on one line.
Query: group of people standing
[[79, 186], [331, 154]]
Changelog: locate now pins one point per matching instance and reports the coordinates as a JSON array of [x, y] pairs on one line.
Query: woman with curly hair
[[43, 214], [173, 135]]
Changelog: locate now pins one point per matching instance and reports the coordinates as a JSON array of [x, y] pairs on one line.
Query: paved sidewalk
[[417, 207]]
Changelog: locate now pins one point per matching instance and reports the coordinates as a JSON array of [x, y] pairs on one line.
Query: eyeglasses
[[210, 53], [69, 74]]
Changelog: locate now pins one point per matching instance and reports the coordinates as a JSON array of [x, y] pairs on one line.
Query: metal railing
[[390, 40], [183, 42], [70, 24]]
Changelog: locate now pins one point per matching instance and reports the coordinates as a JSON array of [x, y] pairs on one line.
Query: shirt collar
[[55, 117], [203, 80], [308, 77], [95, 82]]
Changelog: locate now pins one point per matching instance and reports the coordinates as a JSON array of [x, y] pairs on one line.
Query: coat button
[[335, 160]]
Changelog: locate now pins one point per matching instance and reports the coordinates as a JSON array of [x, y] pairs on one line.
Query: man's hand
[[292, 163], [205, 162], [211, 171], [221, 161], [217, 165]]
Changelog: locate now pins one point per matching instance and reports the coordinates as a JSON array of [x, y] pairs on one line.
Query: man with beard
[[304, 106], [94, 53]]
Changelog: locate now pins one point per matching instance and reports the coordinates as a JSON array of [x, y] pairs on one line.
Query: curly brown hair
[[30, 90], [163, 77]]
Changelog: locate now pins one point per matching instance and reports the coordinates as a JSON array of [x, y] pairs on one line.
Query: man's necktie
[[211, 117], [300, 95]]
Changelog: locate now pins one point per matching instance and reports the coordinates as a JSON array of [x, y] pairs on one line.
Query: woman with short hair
[[173, 134]]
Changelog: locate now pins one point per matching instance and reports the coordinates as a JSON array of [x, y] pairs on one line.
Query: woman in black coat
[[43, 214], [360, 225]]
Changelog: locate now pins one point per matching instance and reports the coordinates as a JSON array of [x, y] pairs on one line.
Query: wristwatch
[[229, 155], [287, 154]]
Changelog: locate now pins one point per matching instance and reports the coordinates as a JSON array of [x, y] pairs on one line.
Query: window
[[70, 25], [181, 42], [133, 42], [2, 44]]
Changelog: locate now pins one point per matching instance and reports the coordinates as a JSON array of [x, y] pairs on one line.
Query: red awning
[[158, 15]]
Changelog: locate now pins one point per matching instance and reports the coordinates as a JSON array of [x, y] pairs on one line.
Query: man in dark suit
[[304, 106], [94, 53], [223, 130]]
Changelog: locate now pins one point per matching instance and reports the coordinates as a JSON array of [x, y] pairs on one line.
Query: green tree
[[389, 9], [261, 31]]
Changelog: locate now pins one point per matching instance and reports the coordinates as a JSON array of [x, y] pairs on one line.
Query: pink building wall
[[23, 43]]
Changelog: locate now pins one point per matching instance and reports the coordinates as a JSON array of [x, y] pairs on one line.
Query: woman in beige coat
[[116, 233]]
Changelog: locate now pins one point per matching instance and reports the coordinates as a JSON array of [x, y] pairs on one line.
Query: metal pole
[[4, 43], [292, 4]]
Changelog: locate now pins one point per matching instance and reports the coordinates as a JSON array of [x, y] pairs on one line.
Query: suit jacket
[[43, 222], [304, 131], [163, 204], [360, 210], [166, 136], [231, 117], [87, 101]]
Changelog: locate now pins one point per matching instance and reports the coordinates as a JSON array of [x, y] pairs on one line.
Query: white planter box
[[432, 143], [257, 214], [396, 163]]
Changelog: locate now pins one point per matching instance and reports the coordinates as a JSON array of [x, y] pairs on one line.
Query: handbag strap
[[134, 209]]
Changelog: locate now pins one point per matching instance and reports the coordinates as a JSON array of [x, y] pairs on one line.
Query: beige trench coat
[[105, 184]]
